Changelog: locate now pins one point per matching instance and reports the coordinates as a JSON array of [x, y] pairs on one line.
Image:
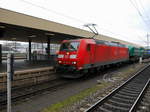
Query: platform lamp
[[31, 36]]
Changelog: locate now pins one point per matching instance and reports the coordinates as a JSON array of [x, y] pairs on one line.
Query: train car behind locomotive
[[77, 57]]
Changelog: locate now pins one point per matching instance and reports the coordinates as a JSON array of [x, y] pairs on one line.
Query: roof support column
[[0, 53], [48, 48], [29, 52]]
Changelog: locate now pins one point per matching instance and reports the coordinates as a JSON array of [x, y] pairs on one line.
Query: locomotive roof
[[112, 43], [103, 42]]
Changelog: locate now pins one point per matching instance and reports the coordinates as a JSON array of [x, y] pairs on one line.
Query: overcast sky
[[123, 19]]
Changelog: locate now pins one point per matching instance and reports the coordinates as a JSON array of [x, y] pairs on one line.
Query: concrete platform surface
[[24, 65]]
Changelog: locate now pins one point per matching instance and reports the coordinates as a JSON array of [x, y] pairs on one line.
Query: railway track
[[127, 96], [144, 104], [19, 94], [27, 92]]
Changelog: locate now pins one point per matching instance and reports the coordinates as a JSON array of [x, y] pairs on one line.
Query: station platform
[[22, 64]]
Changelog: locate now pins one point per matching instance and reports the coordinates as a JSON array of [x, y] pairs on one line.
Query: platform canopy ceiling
[[24, 34], [15, 26], [21, 27]]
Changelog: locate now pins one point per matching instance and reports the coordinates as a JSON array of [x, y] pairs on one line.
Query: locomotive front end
[[67, 60]]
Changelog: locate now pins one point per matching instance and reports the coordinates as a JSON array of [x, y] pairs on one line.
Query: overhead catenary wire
[[61, 14], [142, 40], [55, 12], [135, 5], [142, 16], [115, 33], [144, 10], [58, 13]]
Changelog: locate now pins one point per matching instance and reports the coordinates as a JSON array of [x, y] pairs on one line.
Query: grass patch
[[58, 106]]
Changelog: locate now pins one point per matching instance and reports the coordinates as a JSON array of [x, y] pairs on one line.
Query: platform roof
[[20, 27]]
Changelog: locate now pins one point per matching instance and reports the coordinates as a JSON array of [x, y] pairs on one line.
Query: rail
[[103, 104]]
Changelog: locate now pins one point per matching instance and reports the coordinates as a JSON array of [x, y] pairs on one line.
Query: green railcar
[[135, 53], [141, 52]]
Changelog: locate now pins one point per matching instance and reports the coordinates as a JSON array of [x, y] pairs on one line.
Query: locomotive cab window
[[69, 46], [88, 47]]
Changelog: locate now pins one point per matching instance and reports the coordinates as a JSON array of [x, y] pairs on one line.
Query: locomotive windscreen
[[69, 46]]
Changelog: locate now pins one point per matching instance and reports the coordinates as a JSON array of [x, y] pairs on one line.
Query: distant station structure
[[15, 26]]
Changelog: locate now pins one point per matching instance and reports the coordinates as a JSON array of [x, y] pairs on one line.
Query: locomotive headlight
[[73, 56], [59, 61], [74, 62], [60, 56]]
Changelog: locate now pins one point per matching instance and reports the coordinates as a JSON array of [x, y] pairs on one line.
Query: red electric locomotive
[[77, 57]]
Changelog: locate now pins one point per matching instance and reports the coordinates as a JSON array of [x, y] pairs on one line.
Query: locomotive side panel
[[101, 54], [113, 53], [124, 54]]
